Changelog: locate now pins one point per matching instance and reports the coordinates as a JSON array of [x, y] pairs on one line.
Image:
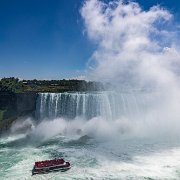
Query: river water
[[104, 135]]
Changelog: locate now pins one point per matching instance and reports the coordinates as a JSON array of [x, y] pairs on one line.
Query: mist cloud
[[134, 46]]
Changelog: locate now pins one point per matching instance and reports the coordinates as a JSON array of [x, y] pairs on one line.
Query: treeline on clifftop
[[15, 85], [11, 85]]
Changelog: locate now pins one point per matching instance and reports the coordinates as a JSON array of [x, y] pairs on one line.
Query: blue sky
[[44, 39]]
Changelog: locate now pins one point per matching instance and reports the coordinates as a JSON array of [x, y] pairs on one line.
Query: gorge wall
[[14, 105]]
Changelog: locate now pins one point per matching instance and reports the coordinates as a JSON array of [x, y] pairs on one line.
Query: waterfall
[[109, 105]]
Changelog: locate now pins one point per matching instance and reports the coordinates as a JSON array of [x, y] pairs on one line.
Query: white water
[[133, 143], [134, 112], [138, 159]]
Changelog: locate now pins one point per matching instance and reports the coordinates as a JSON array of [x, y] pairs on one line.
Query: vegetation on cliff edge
[[19, 86]]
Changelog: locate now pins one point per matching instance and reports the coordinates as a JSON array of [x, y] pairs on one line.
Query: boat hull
[[50, 169]]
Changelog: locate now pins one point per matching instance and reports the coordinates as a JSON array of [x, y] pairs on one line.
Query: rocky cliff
[[14, 105]]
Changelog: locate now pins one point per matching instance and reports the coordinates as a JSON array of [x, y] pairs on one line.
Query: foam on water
[[132, 159]]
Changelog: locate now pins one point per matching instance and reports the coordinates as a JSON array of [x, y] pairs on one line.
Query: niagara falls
[[90, 89]]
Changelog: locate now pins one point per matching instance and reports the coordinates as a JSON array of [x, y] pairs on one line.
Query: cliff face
[[13, 105], [25, 103]]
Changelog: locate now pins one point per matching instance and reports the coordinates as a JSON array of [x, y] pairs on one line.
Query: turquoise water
[[91, 158]]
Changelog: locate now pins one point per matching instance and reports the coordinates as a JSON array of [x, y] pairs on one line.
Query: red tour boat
[[41, 167]]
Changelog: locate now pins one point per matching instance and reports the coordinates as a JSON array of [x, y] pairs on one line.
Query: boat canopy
[[48, 163]]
